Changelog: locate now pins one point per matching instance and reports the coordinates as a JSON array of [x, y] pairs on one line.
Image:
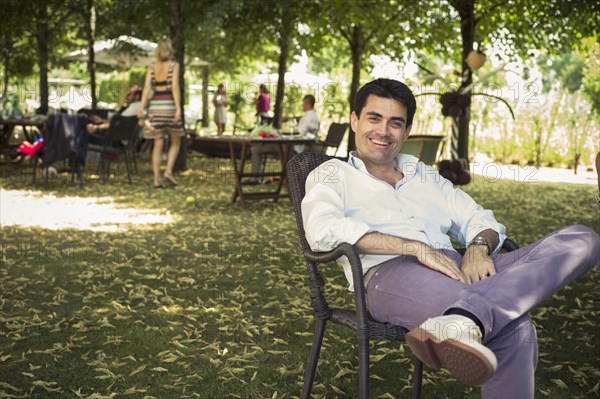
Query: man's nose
[[382, 128]]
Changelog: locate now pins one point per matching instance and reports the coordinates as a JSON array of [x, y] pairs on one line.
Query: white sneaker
[[454, 343]]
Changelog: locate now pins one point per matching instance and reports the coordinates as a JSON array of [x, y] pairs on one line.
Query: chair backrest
[[122, 128], [298, 169], [424, 147], [102, 113], [335, 135]]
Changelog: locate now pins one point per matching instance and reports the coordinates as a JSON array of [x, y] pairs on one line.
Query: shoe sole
[[465, 363]]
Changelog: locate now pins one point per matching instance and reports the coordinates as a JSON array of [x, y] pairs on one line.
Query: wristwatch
[[481, 240]]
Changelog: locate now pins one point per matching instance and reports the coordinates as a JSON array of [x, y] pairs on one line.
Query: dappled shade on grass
[[214, 305]]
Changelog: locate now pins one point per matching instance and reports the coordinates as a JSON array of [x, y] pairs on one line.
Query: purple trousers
[[404, 292]]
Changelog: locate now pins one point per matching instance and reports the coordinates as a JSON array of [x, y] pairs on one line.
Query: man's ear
[[353, 121]]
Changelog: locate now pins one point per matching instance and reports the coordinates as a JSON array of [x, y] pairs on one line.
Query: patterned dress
[[162, 107]]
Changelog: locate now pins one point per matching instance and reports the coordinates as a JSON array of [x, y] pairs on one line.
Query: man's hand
[[439, 261], [383, 244], [477, 264]]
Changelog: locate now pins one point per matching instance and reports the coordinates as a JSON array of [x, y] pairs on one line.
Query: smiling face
[[380, 131]]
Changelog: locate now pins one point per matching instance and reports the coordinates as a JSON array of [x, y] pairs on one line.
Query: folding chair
[[357, 319]]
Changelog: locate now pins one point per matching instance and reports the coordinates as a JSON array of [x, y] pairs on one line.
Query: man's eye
[[397, 125]]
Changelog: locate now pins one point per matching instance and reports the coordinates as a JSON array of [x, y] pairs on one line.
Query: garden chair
[[334, 138], [424, 147], [121, 129], [357, 319]]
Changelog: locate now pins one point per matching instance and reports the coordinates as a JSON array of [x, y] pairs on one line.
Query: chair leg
[[80, 173], [106, 168], [417, 379], [127, 166], [363, 366], [133, 156], [313, 359]]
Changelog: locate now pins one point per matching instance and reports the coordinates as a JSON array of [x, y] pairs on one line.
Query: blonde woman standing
[[164, 110]]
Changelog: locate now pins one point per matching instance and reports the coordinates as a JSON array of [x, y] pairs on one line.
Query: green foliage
[[590, 53], [113, 89], [565, 71], [242, 37]]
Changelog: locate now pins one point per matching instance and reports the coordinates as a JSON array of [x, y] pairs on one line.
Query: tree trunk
[[357, 48], [42, 49], [91, 19], [177, 18], [6, 51], [460, 138], [205, 117], [284, 49]]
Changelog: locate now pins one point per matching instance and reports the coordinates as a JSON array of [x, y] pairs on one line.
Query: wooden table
[[284, 146]]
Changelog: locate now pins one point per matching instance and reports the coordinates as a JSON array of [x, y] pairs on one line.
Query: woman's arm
[[175, 90], [144, 99]]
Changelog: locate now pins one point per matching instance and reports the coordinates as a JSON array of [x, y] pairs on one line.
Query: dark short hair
[[387, 88], [311, 99]]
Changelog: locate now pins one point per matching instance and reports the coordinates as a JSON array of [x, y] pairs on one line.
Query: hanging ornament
[[475, 59]]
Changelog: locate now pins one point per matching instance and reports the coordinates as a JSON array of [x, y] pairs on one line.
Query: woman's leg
[[159, 143], [173, 152]]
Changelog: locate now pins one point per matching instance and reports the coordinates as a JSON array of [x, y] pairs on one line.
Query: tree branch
[[346, 35], [389, 20]]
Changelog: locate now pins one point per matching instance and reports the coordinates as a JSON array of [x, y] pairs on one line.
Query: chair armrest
[[350, 252], [343, 249]]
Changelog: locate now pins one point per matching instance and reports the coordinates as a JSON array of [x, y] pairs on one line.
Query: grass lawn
[[213, 304]]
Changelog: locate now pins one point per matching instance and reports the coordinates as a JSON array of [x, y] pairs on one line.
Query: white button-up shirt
[[344, 201], [309, 122]]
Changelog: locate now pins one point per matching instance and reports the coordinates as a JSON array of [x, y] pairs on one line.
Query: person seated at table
[[98, 127], [308, 123]]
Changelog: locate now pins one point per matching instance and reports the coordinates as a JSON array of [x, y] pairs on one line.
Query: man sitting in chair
[[308, 123], [467, 313]]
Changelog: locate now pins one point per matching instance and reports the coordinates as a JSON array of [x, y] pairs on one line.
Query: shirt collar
[[406, 163]]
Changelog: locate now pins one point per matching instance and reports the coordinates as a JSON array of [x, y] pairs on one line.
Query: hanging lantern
[[475, 59]]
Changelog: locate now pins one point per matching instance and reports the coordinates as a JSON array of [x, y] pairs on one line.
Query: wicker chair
[[357, 319]]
